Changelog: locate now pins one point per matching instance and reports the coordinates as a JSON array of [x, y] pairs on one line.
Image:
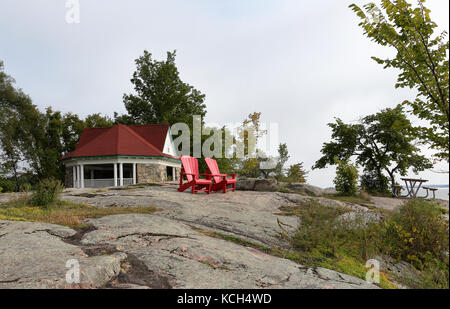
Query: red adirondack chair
[[221, 181], [190, 169]]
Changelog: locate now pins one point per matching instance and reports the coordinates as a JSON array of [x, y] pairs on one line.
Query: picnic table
[[411, 184]]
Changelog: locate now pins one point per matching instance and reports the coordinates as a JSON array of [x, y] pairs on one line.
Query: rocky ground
[[170, 249]]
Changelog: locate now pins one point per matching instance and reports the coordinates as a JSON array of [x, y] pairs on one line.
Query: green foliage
[[296, 173], [380, 142], [317, 229], [26, 187], [34, 139], [225, 163], [255, 163], [47, 157], [417, 233], [249, 168], [7, 185], [346, 180], [161, 96], [435, 275], [324, 240], [14, 103], [248, 136], [283, 157], [374, 183], [98, 121], [71, 129], [250, 133], [59, 135], [47, 192], [422, 59]]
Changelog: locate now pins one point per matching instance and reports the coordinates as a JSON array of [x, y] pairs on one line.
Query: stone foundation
[[147, 173], [177, 173]]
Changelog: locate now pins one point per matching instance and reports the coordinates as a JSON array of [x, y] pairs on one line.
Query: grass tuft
[[63, 212], [362, 198], [415, 233]]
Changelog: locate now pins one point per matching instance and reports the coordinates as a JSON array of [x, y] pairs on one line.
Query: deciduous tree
[[160, 94], [422, 58], [383, 142]]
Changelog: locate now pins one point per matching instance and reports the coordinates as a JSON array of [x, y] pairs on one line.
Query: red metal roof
[[144, 140]]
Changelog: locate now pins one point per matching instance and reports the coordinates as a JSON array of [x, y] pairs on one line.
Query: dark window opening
[[169, 173]]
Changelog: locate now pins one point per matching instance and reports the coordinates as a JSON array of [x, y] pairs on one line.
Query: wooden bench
[[432, 190]]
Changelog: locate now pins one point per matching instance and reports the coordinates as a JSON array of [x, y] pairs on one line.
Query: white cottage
[[122, 155]]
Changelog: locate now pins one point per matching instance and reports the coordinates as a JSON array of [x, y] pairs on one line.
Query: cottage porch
[[117, 174], [103, 175]]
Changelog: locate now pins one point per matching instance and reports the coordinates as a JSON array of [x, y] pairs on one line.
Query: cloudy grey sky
[[300, 63]]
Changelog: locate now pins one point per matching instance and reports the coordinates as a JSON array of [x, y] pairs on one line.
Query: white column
[[115, 174], [74, 177], [78, 177], [82, 175], [121, 174], [92, 178], [134, 173]]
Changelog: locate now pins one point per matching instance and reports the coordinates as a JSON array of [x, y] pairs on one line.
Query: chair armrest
[[231, 174], [224, 176]]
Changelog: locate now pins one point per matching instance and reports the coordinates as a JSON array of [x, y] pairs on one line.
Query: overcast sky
[[300, 63]]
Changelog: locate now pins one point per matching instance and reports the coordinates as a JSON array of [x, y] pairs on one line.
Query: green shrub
[[346, 180], [47, 192], [323, 239], [296, 173], [417, 233], [7, 185], [435, 275], [26, 187], [318, 228], [364, 195], [250, 168], [374, 183]]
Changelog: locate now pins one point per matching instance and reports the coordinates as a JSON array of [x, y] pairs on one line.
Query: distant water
[[441, 193]]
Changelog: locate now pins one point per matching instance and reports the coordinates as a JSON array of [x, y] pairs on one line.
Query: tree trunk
[[380, 177], [16, 178], [392, 176]]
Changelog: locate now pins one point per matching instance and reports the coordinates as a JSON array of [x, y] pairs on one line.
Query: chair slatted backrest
[[214, 169], [190, 165]]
